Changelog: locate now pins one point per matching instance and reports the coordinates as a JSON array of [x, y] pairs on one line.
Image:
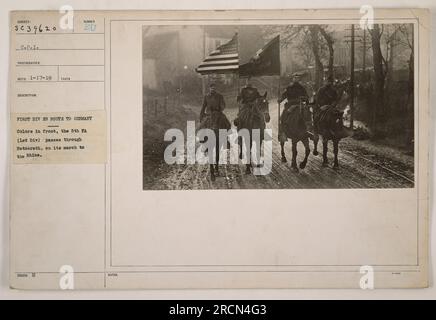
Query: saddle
[[215, 120], [248, 112], [292, 124], [322, 113]]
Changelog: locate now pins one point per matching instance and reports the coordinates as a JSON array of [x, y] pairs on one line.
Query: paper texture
[[110, 181], [59, 137]]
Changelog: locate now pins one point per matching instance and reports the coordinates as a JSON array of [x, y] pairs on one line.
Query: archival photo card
[[219, 149]]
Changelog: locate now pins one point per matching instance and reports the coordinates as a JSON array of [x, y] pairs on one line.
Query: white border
[[6, 293]]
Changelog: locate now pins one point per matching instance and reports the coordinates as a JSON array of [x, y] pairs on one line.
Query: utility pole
[[364, 56], [179, 72], [203, 85], [352, 80], [236, 75]]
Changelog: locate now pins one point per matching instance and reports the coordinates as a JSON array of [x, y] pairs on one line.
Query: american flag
[[223, 59]]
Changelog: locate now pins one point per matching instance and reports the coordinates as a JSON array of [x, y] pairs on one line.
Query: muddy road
[[362, 164]]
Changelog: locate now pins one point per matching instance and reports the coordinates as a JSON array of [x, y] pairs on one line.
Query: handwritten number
[[35, 28]]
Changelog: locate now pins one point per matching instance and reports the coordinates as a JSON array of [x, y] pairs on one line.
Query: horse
[[215, 121], [293, 126], [252, 116], [330, 126], [328, 123]]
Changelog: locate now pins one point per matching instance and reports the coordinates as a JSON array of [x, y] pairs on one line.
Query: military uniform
[[326, 95], [326, 98], [211, 115], [246, 98], [248, 95], [295, 94]]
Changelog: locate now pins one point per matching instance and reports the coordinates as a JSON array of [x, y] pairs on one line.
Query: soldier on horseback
[[328, 121], [326, 97], [211, 114], [327, 94], [295, 94], [246, 98], [293, 121], [253, 115], [212, 117]]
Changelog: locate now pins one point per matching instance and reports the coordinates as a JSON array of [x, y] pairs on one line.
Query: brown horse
[[328, 123], [330, 126], [294, 126], [215, 121], [252, 116]]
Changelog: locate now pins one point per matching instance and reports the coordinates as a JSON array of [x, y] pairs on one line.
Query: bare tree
[[379, 62], [313, 37], [315, 44], [330, 41], [392, 42], [305, 52], [407, 40]]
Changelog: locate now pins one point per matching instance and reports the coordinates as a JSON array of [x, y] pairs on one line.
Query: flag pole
[[203, 85]]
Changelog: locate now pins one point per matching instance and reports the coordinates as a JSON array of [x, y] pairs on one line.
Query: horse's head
[[342, 88], [263, 106], [337, 120], [306, 111], [337, 125]]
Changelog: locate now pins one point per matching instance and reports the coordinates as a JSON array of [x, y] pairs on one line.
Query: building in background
[[171, 53]]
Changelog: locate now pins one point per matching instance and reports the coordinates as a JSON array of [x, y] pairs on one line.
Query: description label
[[61, 137]]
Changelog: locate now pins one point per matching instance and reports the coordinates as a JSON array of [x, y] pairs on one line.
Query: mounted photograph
[[278, 106], [234, 149]]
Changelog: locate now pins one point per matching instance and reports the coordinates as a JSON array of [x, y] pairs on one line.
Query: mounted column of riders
[[299, 121]]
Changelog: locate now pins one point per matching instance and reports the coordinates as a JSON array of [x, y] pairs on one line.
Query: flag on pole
[[266, 61], [224, 59]]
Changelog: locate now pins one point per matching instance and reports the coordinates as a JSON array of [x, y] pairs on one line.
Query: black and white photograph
[[333, 106], [220, 151]]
